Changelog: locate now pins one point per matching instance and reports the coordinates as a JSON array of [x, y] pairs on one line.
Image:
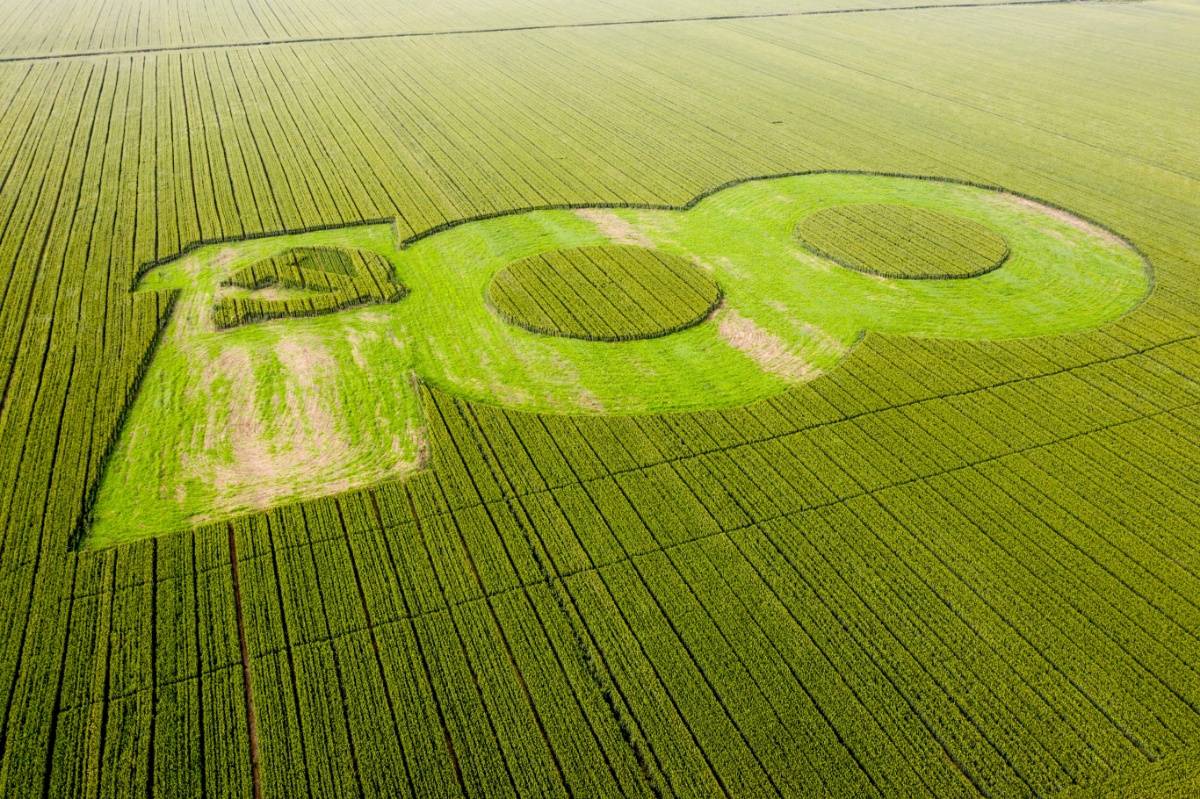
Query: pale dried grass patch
[[768, 350], [614, 228]]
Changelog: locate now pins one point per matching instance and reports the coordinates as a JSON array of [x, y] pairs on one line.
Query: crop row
[[339, 279], [800, 596], [929, 656], [900, 241], [605, 293]]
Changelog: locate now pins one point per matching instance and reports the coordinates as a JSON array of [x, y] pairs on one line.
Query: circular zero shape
[[902, 242], [603, 293]]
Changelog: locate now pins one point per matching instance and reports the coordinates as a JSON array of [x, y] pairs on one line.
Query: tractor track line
[[361, 37]]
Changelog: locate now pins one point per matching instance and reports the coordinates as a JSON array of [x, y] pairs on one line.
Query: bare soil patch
[[616, 229], [273, 458], [768, 350]]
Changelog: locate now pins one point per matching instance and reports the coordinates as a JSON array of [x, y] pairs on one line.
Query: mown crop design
[[313, 405], [953, 566]]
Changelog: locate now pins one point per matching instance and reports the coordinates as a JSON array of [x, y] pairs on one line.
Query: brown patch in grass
[[300, 447], [414, 435], [615, 229], [589, 401], [766, 349], [356, 339], [1067, 218], [306, 359]]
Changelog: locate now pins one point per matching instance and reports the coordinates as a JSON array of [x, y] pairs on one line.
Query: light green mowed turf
[[234, 421]]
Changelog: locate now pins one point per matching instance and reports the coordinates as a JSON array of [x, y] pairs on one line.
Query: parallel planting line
[[756, 521], [1087, 692], [750, 442], [1122, 557], [360, 37], [552, 578], [251, 713]]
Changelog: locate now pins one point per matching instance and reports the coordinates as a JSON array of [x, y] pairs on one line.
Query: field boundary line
[[616, 23]]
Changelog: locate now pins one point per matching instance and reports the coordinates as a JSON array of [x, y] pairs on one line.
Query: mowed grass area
[[950, 565], [231, 421]]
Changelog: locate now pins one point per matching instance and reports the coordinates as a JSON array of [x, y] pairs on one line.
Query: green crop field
[[489, 398]]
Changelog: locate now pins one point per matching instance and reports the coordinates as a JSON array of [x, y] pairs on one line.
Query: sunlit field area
[[505, 399]]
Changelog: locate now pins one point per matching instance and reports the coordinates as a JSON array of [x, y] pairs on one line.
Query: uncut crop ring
[[235, 420], [902, 242], [603, 293]]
